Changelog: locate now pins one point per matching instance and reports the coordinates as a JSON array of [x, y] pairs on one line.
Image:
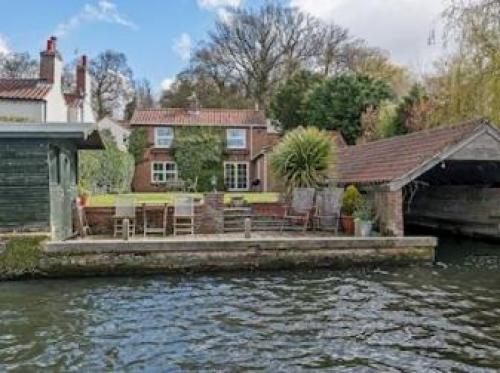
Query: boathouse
[[446, 178], [38, 175]]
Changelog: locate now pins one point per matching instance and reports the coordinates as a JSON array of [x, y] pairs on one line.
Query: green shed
[[39, 175]]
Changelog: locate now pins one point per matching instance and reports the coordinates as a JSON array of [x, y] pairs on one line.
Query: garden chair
[[327, 211], [184, 215], [124, 209], [192, 185], [299, 210]]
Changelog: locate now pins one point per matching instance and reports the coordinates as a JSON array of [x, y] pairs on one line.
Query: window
[[236, 175], [164, 137], [162, 172], [236, 138]]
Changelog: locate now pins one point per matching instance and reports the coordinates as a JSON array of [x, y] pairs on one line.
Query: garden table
[[149, 210]]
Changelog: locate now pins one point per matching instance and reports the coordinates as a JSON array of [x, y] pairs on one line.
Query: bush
[[137, 143], [364, 210], [304, 158], [351, 200], [21, 256]]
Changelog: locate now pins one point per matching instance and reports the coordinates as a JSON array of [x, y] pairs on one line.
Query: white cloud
[[104, 11], [4, 45], [167, 83], [216, 4], [401, 27], [182, 46]]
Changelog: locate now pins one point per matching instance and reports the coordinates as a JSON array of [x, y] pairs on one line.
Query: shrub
[[304, 158], [351, 200], [137, 143], [21, 256], [364, 210]]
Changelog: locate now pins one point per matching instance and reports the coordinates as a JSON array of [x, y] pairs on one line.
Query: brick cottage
[[248, 139]]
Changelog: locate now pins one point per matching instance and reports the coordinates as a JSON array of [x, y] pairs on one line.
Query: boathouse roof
[[85, 135], [401, 159]]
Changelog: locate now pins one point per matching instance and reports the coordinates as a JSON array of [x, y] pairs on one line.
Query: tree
[[109, 170], [304, 158], [143, 98], [339, 102], [287, 105], [379, 123], [18, 65], [112, 82], [333, 42], [258, 48]]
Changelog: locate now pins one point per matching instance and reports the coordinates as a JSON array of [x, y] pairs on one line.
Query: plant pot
[[83, 200], [363, 228], [347, 224]]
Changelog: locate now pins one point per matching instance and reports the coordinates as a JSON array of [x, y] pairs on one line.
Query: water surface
[[436, 318]]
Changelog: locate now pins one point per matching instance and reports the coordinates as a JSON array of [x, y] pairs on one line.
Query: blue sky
[[157, 35]]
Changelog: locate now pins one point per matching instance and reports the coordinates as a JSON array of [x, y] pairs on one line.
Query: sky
[[158, 36]]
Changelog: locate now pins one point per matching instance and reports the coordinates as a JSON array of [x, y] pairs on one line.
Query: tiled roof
[[210, 117], [389, 159], [24, 89]]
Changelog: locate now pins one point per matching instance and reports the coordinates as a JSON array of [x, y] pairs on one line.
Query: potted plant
[[83, 195], [363, 219], [350, 202]]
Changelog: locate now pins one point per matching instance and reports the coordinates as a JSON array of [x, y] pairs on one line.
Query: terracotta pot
[[83, 200], [347, 224]]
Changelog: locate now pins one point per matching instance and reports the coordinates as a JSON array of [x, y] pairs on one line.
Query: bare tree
[[260, 47], [112, 82], [333, 42], [18, 65]]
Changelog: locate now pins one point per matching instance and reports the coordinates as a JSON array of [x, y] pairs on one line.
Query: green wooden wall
[[24, 185]]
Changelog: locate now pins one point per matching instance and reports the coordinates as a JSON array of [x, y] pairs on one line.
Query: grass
[[107, 200], [21, 256]]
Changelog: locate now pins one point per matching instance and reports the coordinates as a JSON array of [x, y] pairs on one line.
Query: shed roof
[[399, 157], [200, 117], [24, 89], [85, 135]]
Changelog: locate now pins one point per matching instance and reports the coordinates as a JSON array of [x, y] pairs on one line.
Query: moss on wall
[[21, 256]]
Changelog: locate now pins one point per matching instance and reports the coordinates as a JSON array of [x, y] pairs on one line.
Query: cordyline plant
[[304, 158]]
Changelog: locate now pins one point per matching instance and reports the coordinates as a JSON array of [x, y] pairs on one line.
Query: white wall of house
[[119, 133], [57, 110], [32, 111]]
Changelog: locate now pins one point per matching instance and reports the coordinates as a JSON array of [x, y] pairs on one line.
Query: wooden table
[[149, 208]]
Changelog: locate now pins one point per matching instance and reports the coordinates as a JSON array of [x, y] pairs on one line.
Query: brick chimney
[[82, 78], [51, 62]]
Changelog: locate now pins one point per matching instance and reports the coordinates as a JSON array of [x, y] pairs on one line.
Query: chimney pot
[[84, 60]]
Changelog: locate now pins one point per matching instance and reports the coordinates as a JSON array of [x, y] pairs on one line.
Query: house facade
[[42, 100], [246, 134], [120, 130]]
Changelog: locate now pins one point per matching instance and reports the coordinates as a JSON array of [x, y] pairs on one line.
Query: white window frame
[[231, 136], [236, 178], [162, 137], [164, 171]]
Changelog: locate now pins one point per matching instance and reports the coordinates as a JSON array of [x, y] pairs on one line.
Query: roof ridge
[[204, 109], [470, 122]]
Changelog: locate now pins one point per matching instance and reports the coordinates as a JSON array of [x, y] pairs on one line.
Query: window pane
[[236, 138], [164, 136]]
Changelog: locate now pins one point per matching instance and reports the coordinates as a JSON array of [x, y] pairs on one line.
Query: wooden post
[[248, 227], [126, 229]]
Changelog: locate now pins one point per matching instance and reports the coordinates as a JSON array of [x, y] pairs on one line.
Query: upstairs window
[[164, 136], [236, 138]]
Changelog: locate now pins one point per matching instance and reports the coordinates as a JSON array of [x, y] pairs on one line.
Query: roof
[[209, 117], [85, 135], [390, 159], [24, 89]]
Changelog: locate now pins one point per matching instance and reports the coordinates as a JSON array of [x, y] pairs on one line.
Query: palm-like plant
[[304, 158]]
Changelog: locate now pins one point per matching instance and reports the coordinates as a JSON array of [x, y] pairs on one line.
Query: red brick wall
[[100, 219], [389, 209]]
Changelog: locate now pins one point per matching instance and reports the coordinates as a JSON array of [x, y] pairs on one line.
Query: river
[[426, 318]]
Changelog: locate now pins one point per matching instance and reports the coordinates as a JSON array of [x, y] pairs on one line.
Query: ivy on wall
[[199, 154], [137, 143]]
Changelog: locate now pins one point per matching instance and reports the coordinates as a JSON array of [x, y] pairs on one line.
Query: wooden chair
[[192, 185], [299, 210], [184, 215], [148, 213], [327, 211], [124, 209]]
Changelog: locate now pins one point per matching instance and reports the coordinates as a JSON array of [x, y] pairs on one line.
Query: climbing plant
[[198, 153], [137, 143]]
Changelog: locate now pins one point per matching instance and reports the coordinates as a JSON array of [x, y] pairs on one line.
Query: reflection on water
[[441, 317]]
